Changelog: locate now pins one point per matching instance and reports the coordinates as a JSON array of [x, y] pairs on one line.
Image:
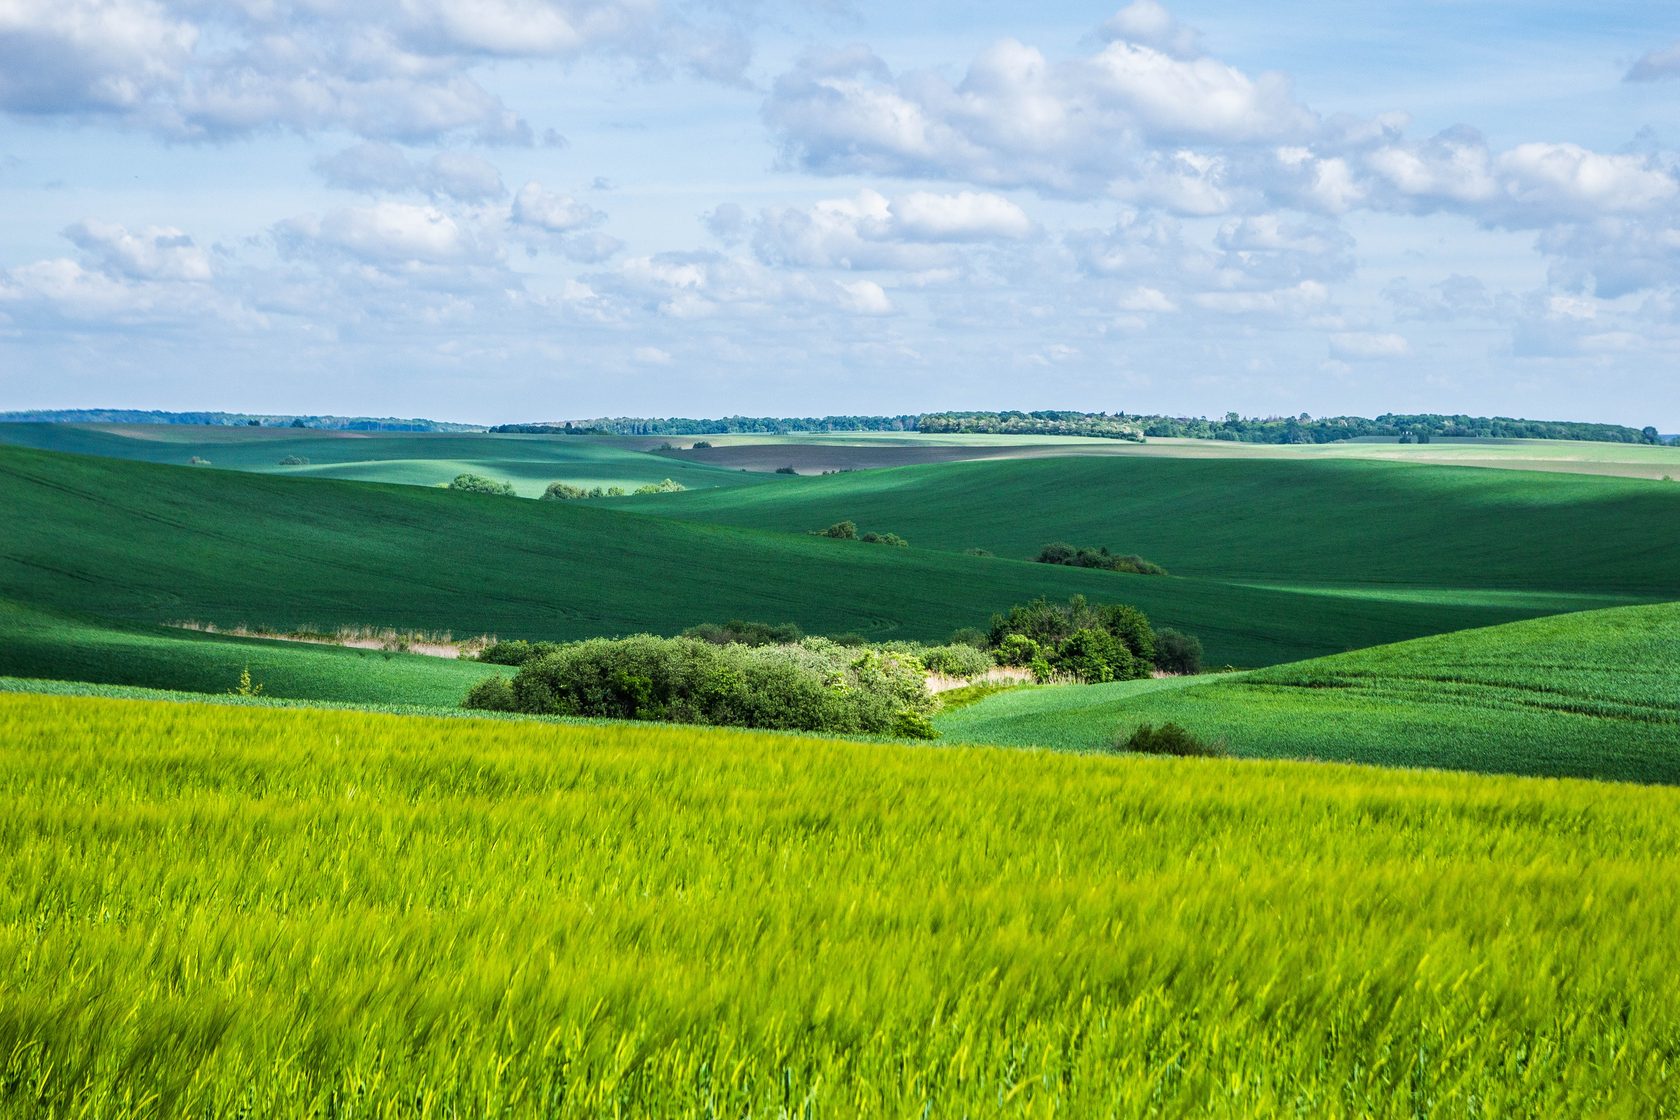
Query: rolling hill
[[1595, 694], [138, 542], [530, 463], [1333, 522]]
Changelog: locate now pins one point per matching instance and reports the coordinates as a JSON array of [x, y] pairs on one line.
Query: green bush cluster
[[816, 685], [739, 632], [1178, 653], [1092, 643], [478, 484], [566, 492], [1171, 739], [515, 651], [294, 461], [1101, 558], [848, 531], [667, 486]]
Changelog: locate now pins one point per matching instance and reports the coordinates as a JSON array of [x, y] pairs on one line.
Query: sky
[[504, 210]]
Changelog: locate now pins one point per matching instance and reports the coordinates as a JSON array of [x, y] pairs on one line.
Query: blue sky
[[527, 209]]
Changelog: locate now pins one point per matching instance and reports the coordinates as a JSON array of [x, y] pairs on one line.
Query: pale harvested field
[[813, 454]]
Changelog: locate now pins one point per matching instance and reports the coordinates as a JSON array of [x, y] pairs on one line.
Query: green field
[[1348, 522], [42, 644], [1588, 695], [530, 463], [236, 911], [139, 542]]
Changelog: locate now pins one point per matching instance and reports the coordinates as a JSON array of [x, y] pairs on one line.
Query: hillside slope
[[225, 911], [1324, 522], [52, 646], [530, 463], [1595, 694], [145, 543]]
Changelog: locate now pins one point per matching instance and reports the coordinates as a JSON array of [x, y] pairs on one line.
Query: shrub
[[702, 445], [1171, 739], [294, 461], [969, 636], [1018, 649], [478, 484], [1100, 558], [786, 470], [492, 694], [840, 531], [1095, 656], [199, 461], [563, 492], [1051, 625], [737, 632], [957, 661], [892, 539], [816, 685], [909, 724], [1041, 670], [667, 486], [1178, 653]]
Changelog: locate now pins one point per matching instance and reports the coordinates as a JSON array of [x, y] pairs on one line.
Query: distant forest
[[1407, 428], [232, 420]]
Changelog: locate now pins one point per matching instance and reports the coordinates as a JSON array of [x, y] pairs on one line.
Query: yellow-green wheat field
[[225, 911]]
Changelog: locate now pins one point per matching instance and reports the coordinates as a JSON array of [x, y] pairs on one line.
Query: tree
[[1649, 434], [841, 531], [478, 484], [562, 492]]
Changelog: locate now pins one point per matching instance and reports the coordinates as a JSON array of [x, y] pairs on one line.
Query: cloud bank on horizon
[[514, 209]]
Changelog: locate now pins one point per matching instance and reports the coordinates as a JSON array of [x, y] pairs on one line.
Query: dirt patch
[[388, 641], [937, 683]]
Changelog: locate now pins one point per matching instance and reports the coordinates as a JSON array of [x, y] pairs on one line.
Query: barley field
[[224, 911]]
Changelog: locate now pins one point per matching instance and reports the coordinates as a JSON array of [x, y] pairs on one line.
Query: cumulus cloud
[[871, 231], [151, 253], [561, 222], [1657, 64], [389, 235], [1017, 118], [90, 56], [552, 213], [1149, 23], [384, 69]]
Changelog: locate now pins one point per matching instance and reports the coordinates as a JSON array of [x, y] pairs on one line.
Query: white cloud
[[391, 235], [915, 231], [562, 223], [1654, 65], [552, 213], [151, 253], [651, 356], [94, 56], [1143, 299], [1571, 181], [1149, 23], [1364, 346], [1075, 126], [384, 69], [965, 216]]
